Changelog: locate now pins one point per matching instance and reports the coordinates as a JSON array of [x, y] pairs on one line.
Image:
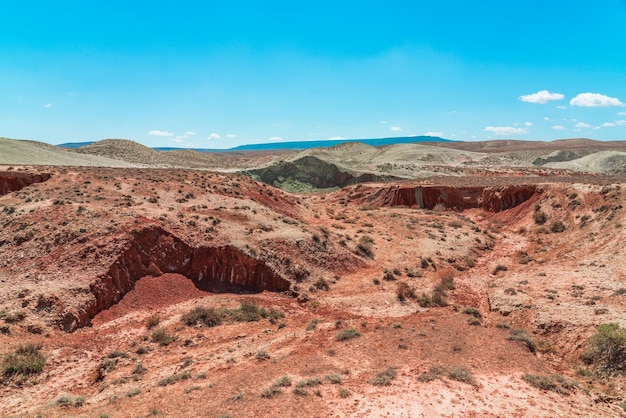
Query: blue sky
[[216, 74]]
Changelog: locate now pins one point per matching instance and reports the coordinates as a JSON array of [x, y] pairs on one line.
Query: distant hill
[[301, 145], [293, 145]]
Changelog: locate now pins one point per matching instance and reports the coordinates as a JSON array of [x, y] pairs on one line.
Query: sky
[[217, 74]]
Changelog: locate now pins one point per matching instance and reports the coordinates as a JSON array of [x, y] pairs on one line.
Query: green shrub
[[162, 337], [384, 378], [270, 392], [174, 378], [153, 321], [557, 227], [313, 324], [334, 378], [365, 246], [522, 337], [435, 372], [473, 321], [606, 349], [462, 374], [404, 292], [556, 383], [346, 334], [208, 317], [25, 361], [540, 217], [70, 402], [283, 382], [313, 381], [472, 311]]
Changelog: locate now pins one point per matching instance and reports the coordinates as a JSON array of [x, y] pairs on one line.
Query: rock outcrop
[[491, 199], [11, 181], [154, 251]]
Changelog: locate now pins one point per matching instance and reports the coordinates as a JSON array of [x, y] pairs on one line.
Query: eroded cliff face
[[11, 181], [491, 199], [154, 251]]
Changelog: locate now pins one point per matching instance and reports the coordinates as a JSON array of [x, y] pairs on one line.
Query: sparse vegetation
[[284, 381], [404, 292], [162, 337], [384, 378], [462, 374], [334, 378], [557, 227], [208, 317], [347, 334], [365, 246], [435, 372], [246, 312], [521, 336], [70, 401], [312, 324], [153, 321], [606, 349], [472, 312], [26, 360], [174, 378], [555, 383]]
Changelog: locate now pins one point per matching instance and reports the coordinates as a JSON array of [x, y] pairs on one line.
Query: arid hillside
[[131, 292]]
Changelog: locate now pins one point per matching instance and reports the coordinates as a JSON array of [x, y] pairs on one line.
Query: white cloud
[[275, 138], [453, 112], [561, 107], [621, 113], [384, 122], [156, 132], [528, 124], [582, 125], [558, 127], [594, 100], [190, 133], [231, 136], [213, 136], [395, 128], [433, 134], [337, 137], [48, 105], [541, 97], [613, 124], [546, 118], [506, 130]]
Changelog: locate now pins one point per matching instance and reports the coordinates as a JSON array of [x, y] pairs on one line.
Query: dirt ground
[[359, 336]]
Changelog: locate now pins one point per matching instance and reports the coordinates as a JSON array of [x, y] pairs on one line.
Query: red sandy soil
[[569, 284]]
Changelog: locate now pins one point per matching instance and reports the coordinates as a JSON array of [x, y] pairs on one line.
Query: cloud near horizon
[[595, 100], [506, 130], [433, 134], [582, 125], [395, 128], [156, 132], [558, 127], [541, 97], [213, 136]]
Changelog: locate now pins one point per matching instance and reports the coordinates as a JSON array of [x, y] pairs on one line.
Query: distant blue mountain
[[300, 145], [294, 145], [75, 144]]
